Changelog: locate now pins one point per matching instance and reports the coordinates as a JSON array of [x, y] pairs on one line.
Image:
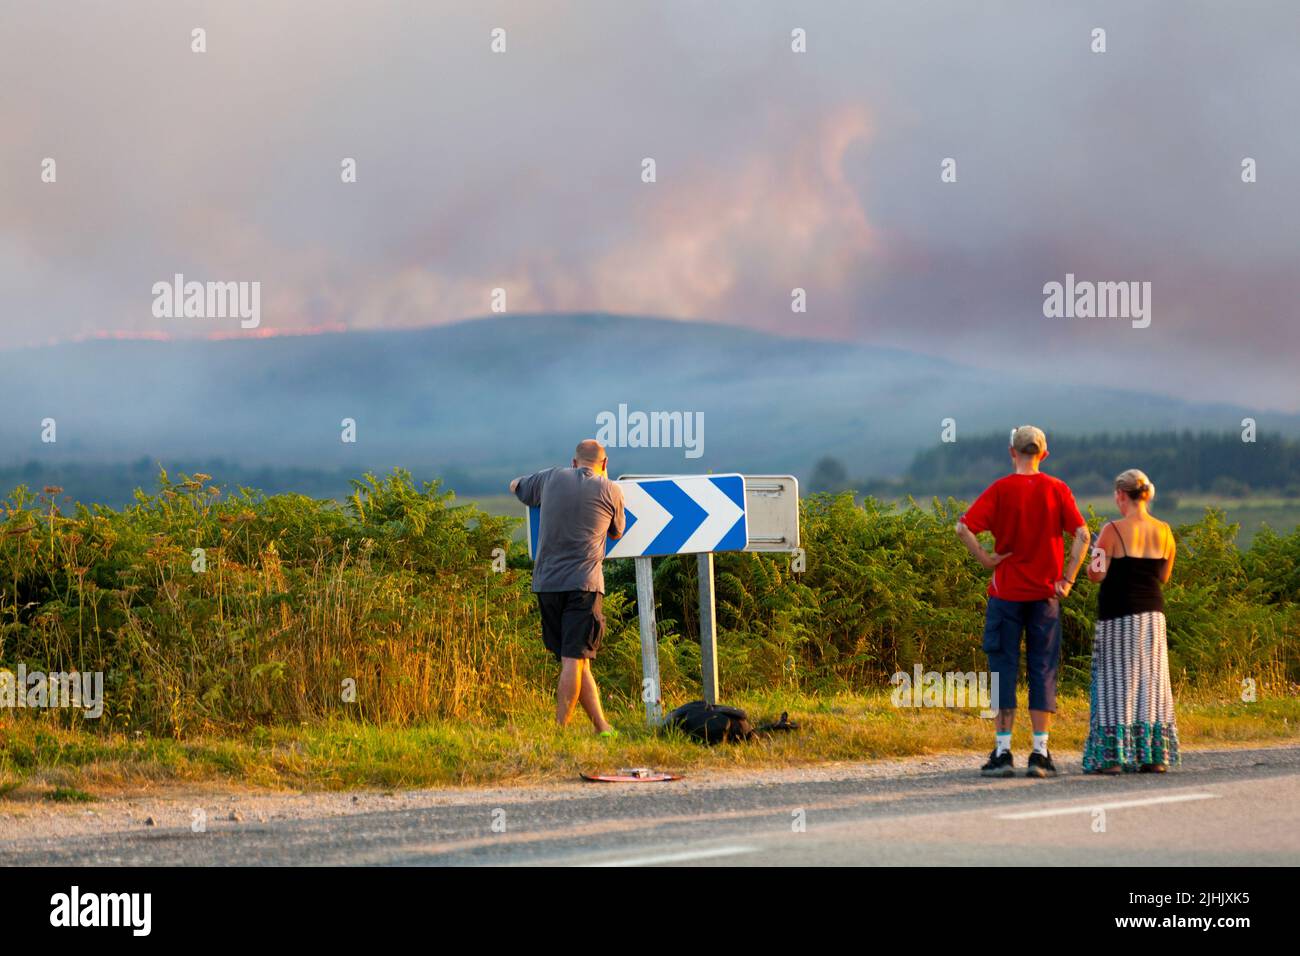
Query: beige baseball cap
[[1028, 440]]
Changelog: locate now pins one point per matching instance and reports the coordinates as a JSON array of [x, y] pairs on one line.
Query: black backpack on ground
[[711, 723]]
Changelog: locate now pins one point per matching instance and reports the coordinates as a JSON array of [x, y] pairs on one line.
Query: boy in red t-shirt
[[1027, 512]]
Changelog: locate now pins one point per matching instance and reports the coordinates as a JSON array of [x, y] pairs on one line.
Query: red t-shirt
[[1027, 515]]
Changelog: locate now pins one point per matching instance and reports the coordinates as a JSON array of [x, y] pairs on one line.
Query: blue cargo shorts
[[1040, 623]]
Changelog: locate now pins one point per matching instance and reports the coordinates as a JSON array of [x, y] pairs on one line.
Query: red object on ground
[[640, 775]]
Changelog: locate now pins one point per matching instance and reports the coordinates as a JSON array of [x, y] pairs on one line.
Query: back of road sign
[[682, 514], [772, 512]]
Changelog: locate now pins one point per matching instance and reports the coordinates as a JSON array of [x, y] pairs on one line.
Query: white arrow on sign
[[723, 513], [651, 518]]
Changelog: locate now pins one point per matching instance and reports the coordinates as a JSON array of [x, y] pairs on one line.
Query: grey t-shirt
[[579, 509]]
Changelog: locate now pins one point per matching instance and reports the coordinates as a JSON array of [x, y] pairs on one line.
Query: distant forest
[[115, 484], [1183, 462], [1178, 462]]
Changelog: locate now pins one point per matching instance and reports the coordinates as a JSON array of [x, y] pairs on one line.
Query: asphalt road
[[1239, 807]]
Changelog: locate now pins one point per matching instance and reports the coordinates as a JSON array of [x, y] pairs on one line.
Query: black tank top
[[1131, 586]]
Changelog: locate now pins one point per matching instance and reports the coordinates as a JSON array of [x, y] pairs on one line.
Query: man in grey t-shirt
[[580, 507]]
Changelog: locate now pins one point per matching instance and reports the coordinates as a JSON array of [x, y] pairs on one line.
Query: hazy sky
[[775, 170]]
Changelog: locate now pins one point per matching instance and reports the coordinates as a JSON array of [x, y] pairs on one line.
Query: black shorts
[[572, 622]]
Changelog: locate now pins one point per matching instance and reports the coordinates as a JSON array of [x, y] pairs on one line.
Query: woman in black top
[[1131, 726]]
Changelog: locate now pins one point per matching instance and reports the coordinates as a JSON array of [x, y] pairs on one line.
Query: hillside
[[487, 398]]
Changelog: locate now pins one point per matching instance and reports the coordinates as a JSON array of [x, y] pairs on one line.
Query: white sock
[[1003, 742], [1040, 744]]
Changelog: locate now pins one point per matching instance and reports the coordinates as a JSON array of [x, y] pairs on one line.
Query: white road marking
[[681, 857], [1114, 805]]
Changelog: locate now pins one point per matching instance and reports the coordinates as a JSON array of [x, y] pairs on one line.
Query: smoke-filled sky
[[775, 170]]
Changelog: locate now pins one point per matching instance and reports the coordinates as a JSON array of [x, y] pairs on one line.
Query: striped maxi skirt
[[1132, 713]]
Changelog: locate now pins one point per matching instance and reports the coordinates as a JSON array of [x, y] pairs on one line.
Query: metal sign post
[[651, 692], [708, 629], [772, 525]]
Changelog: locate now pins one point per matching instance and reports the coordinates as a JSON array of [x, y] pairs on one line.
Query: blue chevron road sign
[[684, 514]]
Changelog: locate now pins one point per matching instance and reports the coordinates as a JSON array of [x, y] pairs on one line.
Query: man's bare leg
[[1007, 717], [566, 695], [589, 696], [1042, 720]]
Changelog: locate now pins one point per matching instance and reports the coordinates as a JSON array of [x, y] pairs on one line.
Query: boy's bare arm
[[990, 561], [1078, 550]]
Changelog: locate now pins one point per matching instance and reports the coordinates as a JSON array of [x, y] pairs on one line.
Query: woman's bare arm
[[1168, 570], [1099, 560]]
